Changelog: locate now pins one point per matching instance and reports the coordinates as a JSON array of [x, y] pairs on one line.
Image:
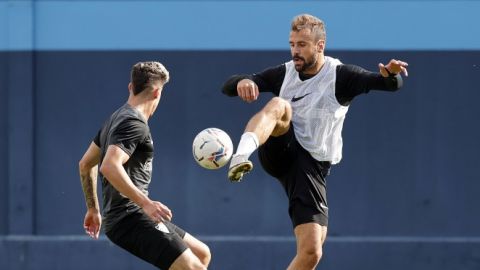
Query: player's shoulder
[[130, 114], [333, 61], [127, 117]]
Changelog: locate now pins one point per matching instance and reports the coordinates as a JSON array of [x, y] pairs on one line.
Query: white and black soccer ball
[[212, 148]]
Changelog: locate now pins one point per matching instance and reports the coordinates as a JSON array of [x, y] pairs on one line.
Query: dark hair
[[145, 74]]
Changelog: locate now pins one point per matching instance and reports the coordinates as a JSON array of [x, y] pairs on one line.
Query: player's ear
[[320, 45], [130, 87], [157, 91]]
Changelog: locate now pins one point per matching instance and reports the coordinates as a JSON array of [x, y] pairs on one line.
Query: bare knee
[[204, 255], [278, 107], [199, 249], [280, 110], [188, 261], [310, 256], [189, 266]]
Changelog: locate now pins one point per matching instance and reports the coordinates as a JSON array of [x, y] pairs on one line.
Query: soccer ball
[[212, 148]]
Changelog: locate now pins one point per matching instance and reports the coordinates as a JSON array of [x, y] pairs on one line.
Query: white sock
[[248, 143]]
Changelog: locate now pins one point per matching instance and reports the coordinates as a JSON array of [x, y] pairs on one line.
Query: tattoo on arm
[[89, 186]]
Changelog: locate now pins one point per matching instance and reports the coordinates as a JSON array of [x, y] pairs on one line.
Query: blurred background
[[405, 195]]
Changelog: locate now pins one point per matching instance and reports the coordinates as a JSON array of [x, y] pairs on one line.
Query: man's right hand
[[157, 211], [247, 90], [92, 223]]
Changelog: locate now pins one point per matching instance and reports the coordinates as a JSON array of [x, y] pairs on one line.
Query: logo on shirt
[[323, 206], [294, 98], [148, 165]]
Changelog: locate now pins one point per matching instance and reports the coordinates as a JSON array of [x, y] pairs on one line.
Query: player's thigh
[[186, 261], [199, 248], [310, 237]]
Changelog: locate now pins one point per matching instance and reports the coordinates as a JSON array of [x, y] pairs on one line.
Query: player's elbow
[[107, 169], [229, 90], [84, 167]]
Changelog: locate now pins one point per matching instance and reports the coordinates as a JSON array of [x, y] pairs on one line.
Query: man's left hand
[[394, 67]]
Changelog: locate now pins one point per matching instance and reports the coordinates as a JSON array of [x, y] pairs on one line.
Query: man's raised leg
[[272, 120]]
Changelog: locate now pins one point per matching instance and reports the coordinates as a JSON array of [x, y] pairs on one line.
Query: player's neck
[[146, 109]]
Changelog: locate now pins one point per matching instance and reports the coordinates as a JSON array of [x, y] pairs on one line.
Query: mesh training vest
[[317, 116]]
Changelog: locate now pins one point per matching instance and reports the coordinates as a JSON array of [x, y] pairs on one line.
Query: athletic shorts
[[302, 177], [138, 234]]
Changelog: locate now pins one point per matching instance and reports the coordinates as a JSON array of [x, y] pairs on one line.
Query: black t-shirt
[[351, 81], [127, 129]]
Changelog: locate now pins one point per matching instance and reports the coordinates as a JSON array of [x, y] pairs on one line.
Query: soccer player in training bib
[[298, 132], [123, 148]]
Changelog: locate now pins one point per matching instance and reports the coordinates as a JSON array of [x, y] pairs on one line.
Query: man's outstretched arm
[[353, 80]]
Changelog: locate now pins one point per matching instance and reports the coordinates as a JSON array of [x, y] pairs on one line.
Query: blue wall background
[[404, 196]]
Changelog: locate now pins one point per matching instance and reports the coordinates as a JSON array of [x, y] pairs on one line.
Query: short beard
[[307, 64]]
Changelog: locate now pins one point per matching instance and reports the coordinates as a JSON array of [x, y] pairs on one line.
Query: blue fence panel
[[3, 144], [398, 146]]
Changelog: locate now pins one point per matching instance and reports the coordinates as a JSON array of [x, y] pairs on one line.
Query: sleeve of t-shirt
[[128, 134], [96, 140], [268, 80]]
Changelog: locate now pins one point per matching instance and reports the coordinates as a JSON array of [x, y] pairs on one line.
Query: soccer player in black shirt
[[123, 148], [298, 133]]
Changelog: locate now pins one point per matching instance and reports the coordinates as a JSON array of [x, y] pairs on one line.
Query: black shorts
[[137, 234], [302, 176]]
